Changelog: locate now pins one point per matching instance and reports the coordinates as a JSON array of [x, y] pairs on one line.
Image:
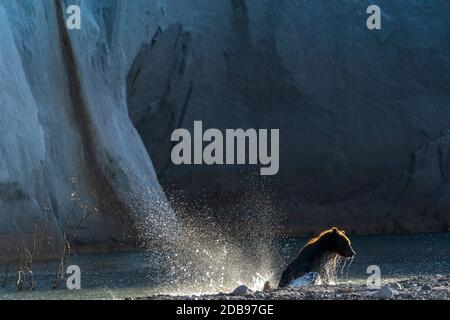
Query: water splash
[[341, 273], [309, 279], [348, 267], [258, 281], [344, 268], [212, 256]]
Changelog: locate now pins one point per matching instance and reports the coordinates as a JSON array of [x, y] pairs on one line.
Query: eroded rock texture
[[68, 147], [363, 114]]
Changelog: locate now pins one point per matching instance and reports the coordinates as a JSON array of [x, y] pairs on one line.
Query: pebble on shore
[[427, 287], [384, 293], [242, 290]]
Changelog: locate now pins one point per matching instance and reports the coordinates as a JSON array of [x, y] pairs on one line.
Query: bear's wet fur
[[319, 255]]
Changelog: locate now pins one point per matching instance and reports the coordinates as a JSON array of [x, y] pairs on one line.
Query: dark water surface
[[119, 275]]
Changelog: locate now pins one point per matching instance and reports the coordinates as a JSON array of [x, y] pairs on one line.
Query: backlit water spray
[[214, 255]]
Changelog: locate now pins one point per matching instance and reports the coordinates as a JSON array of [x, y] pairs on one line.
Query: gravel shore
[[435, 287]]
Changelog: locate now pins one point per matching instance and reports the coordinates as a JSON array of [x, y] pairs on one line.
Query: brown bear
[[319, 255]]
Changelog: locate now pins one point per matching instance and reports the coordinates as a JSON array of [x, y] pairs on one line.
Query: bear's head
[[335, 240]]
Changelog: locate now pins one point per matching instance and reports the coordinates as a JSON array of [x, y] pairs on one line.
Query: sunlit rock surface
[[68, 147]]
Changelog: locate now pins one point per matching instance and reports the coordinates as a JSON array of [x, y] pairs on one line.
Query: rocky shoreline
[[435, 287]]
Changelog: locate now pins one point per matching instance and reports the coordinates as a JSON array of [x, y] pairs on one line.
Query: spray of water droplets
[[210, 254]]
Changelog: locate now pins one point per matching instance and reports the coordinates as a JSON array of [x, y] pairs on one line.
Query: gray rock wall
[[356, 108], [68, 147]]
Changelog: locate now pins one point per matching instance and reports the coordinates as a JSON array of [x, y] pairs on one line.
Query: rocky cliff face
[[363, 114]]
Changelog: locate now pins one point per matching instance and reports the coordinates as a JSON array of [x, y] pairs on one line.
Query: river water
[[120, 275]]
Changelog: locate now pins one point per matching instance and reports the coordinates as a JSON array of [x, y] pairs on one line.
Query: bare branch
[[85, 214]]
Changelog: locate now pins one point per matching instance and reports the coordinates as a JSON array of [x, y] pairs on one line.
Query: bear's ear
[[334, 230]]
